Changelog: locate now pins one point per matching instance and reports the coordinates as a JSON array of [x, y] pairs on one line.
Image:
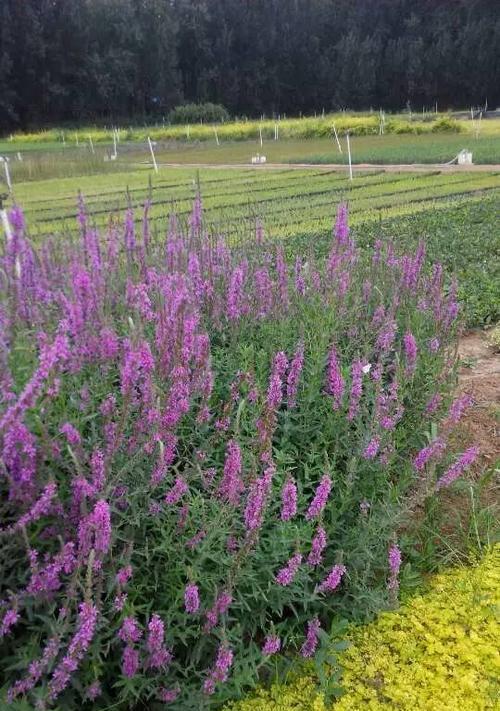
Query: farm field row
[[44, 162], [455, 213]]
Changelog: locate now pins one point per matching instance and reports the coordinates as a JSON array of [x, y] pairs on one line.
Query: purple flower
[[410, 346], [220, 607], [93, 691], [231, 485], [311, 641], [433, 404], [129, 631], [286, 575], [191, 599], [71, 434], [94, 530], [433, 450], [452, 474], [292, 383], [235, 293], [333, 579], [124, 575], [168, 695], [274, 392], [87, 620], [371, 449], [220, 670], [130, 661], [320, 498], [288, 500], [160, 656], [335, 382], [272, 645], [9, 620], [394, 566], [256, 502], [356, 388], [40, 508], [318, 545], [179, 489], [458, 407]]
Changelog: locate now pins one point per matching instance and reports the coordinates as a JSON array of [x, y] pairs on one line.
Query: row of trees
[[68, 60]]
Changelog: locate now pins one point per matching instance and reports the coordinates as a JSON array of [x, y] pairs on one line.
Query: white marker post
[[152, 154], [337, 139], [5, 221], [349, 154], [188, 128], [216, 136], [113, 157], [260, 134], [5, 162], [91, 145]]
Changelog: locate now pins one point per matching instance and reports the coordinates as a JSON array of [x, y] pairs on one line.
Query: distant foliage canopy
[[198, 113], [104, 60]]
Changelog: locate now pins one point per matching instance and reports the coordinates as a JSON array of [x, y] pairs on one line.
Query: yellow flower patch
[[439, 652]]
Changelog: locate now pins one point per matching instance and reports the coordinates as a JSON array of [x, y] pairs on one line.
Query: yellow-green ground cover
[[439, 652]]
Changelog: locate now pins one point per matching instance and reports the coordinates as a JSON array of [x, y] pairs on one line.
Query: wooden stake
[[349, 154], [152, 155]]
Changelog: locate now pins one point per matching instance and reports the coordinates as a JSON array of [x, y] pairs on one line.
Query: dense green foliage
[[198, 113], [63, 60]]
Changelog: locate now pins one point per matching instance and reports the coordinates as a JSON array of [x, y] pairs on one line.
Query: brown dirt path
[[479, 375]]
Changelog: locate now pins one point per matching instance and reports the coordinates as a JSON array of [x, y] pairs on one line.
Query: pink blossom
[[191, 598], [286, 575], [332, 580], [288, 500], [272, 645], [318, 545], [335, 381], [311, 641], [463, 462], [320, 498]]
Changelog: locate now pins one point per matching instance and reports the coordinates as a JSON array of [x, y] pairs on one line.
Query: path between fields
[[358, 167], [479, 375]]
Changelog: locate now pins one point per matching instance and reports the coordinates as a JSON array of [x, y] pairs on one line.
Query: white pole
[[152, 155], [216, 136], [260, 134], [349, 153], [188, 131], [6, 225], [19, 156], [114, 144], [5, 162], [77, 141], [91, 144], [337, 139]]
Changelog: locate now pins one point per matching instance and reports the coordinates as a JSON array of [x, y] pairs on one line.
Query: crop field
[[224, 391]]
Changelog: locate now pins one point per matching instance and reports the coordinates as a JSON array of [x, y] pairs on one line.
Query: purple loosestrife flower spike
[[87, 620], [130, 662], [191, 599], [220, 670], [335, 382], [129, 631], [452, 474], [179, 489], [410, 346], [432, 451], [288, 500], [9, 620], [292, 383], [333, 579], [257, 496], [320, 498], [272, 645], [394, 558], [318, 545], [286, 575], [311, 641], [356, 388], [124, 575], [231, 485], [371, 449], [458, 407], [274, 392]]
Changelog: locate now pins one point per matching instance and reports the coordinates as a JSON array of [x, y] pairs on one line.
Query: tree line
[[105, 60]]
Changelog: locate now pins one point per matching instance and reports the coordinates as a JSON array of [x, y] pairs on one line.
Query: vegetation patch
[[439, 652]]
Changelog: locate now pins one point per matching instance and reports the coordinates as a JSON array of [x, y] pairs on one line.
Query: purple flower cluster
[[191, 599], [220, 670], [288, 500], [333, 579], [272, 645], [286, 575], [457, 469], [335, 381], [318, 545], [394, 567], [311, 642], [320, 498]]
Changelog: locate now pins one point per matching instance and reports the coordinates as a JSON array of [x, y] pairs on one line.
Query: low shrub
[[206, 453], [437, 653], [198, 113]]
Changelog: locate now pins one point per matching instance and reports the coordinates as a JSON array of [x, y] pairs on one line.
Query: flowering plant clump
[[206, 452], [439, 652]]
